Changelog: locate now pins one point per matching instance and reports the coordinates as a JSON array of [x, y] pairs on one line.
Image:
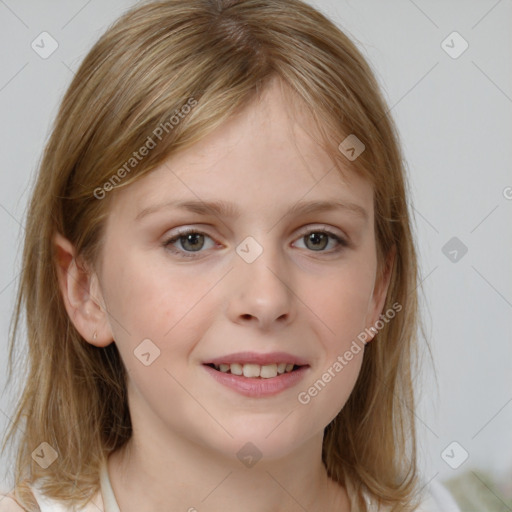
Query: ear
[[81, 294], [379, 294]]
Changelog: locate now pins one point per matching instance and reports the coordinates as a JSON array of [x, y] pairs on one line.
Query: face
[[188, 288]]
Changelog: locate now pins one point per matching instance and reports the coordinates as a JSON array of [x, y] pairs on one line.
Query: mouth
[[256, 375], [256, 371]]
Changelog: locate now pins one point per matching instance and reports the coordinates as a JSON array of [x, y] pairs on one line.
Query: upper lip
[[257, 358]]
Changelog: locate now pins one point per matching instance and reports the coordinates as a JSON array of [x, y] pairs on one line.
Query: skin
[[312, 303]]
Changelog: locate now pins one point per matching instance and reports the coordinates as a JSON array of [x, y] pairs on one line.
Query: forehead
[[262, 157]]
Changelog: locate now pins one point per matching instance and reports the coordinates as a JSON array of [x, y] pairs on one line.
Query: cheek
[[343, 302], [326, 393], [150, 299], [342, 305]]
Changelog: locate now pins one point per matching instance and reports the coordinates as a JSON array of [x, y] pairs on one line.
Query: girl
[[219, 276]]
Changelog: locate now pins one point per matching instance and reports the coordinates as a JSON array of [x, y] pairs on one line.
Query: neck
[[185, 476]]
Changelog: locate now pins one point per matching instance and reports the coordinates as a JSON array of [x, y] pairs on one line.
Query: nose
[[261, 292]]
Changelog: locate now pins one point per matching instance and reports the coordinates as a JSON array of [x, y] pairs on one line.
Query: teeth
[[236, 369], [268, 371], [281, 367], [255, 370], [252, 370]]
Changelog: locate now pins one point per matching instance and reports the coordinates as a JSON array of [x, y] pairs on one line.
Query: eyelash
[[167, 244]]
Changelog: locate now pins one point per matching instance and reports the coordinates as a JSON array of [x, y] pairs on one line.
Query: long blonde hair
[[143, 70]]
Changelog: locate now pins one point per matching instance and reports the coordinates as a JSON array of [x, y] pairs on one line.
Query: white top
[[437, 499]]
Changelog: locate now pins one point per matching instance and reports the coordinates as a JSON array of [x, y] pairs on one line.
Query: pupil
[[192, 237], [316, 238]]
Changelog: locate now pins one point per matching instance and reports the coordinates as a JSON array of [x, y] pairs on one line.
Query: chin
[[262, 440]]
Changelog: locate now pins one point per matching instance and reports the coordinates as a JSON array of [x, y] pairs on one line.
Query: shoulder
[[436, 498], [9, 504]]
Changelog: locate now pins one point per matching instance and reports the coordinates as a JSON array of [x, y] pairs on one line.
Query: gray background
[[454, 116]]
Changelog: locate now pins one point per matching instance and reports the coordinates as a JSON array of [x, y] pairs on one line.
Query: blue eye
[[192, 242]]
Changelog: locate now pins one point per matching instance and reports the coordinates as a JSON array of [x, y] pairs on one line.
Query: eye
[[193, 241], [318, 239]]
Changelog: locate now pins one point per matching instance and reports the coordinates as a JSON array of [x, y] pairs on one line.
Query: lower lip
[[258, 387]]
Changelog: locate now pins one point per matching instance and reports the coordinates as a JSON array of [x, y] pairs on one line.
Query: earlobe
[[81, 294]]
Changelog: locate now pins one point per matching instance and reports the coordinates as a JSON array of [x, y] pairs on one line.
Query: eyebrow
[[230, 210]]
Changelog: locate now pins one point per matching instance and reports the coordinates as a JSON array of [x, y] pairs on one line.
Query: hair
[[217, 55]]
